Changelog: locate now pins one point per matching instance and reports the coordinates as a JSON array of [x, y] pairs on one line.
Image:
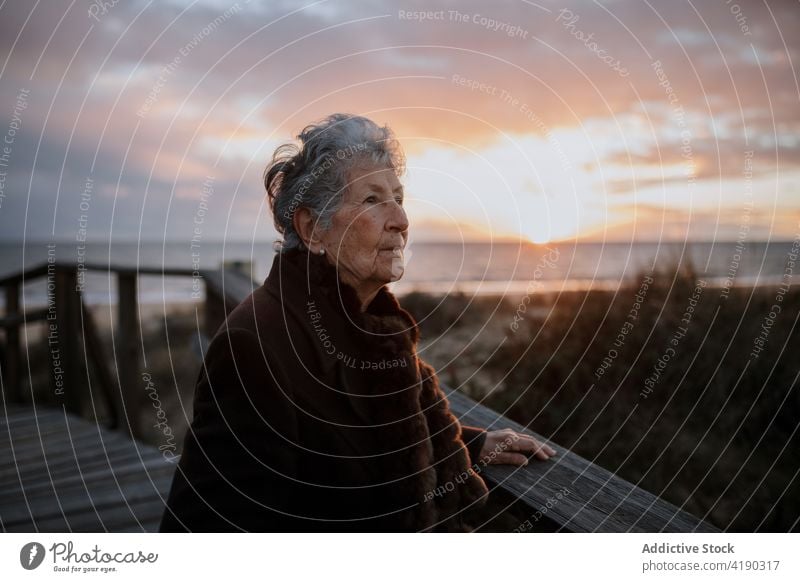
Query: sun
[[539, 238], [546, 220]]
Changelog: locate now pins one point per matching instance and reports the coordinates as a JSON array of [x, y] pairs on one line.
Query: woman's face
[[369, 231]]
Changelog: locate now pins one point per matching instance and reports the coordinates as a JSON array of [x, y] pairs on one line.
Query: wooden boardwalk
[[61, 473]]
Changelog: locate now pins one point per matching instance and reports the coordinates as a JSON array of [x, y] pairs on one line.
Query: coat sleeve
[[239, 464], [473, 438]]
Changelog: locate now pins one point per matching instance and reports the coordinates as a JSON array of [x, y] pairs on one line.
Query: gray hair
[[315, 174]]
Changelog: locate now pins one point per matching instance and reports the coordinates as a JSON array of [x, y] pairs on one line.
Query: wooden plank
[[136, 471], [213, 312], [54, 462], [66, 372], [65, 467], [148, 459], [597, 500], [71, 451], [128, 355], [23, 415], [225, 289], [40, 423], [230, 284], [97, 519], [43, 428], [86, 478], [11, 367], [24, 275], [83, 443], [18, 429], [40, 270], [14, 321], [43, 433], [99, 358], [65, 505], [49, 508]]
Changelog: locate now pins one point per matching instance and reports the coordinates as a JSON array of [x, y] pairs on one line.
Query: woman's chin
[[390, 269], [398, 268], [392, 273]]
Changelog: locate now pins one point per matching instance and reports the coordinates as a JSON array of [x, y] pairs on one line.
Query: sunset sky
[[618, 121]]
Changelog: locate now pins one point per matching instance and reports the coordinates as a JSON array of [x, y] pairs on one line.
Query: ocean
[[439, 268]]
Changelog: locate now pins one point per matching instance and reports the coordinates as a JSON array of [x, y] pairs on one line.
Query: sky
[[545, 121]]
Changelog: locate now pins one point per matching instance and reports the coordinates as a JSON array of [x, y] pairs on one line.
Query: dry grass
[[716, 434]]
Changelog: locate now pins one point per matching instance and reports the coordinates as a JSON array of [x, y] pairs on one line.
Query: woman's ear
[[304, 223]]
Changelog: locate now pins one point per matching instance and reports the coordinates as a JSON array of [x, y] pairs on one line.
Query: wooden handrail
[[225, 288], [40, 270], [570, 491]]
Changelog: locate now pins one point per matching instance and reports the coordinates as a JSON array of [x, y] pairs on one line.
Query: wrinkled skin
[[368, 232]]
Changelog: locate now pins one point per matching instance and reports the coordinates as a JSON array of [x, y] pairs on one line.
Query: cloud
[[149, 100]]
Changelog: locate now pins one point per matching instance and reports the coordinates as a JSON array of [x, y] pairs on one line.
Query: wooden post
[[128, 353], [243, 267], [11, 381], [97, 353], [214, 312], [62, 340]]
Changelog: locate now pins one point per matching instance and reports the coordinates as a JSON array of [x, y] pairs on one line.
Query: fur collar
[[419, 440]]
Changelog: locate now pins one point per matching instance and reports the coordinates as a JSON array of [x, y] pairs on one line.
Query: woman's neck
[[365, 290]]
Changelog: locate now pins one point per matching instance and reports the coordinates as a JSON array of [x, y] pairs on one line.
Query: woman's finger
[[538, 451], [544, 452], [529, 445], [517, 459]]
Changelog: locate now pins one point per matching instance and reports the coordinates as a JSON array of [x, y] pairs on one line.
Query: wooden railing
[[567, 493], [69, 325]]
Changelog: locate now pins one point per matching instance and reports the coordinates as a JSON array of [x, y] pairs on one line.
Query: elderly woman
[[313, 411]]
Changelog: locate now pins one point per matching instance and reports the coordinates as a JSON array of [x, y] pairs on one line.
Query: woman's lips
[[394, 251]]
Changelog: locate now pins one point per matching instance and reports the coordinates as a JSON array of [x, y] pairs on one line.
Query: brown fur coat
[[429, 460], [310, 415]]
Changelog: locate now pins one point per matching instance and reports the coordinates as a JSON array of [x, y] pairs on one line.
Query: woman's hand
[[508, 447]]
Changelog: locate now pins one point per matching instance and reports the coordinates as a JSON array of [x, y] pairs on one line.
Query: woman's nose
[[397, 219]]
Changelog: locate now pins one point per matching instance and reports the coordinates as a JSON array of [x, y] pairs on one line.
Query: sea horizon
[[436, 267]]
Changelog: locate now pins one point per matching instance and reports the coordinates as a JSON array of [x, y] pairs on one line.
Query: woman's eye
[[399, 200], [371, 199]]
